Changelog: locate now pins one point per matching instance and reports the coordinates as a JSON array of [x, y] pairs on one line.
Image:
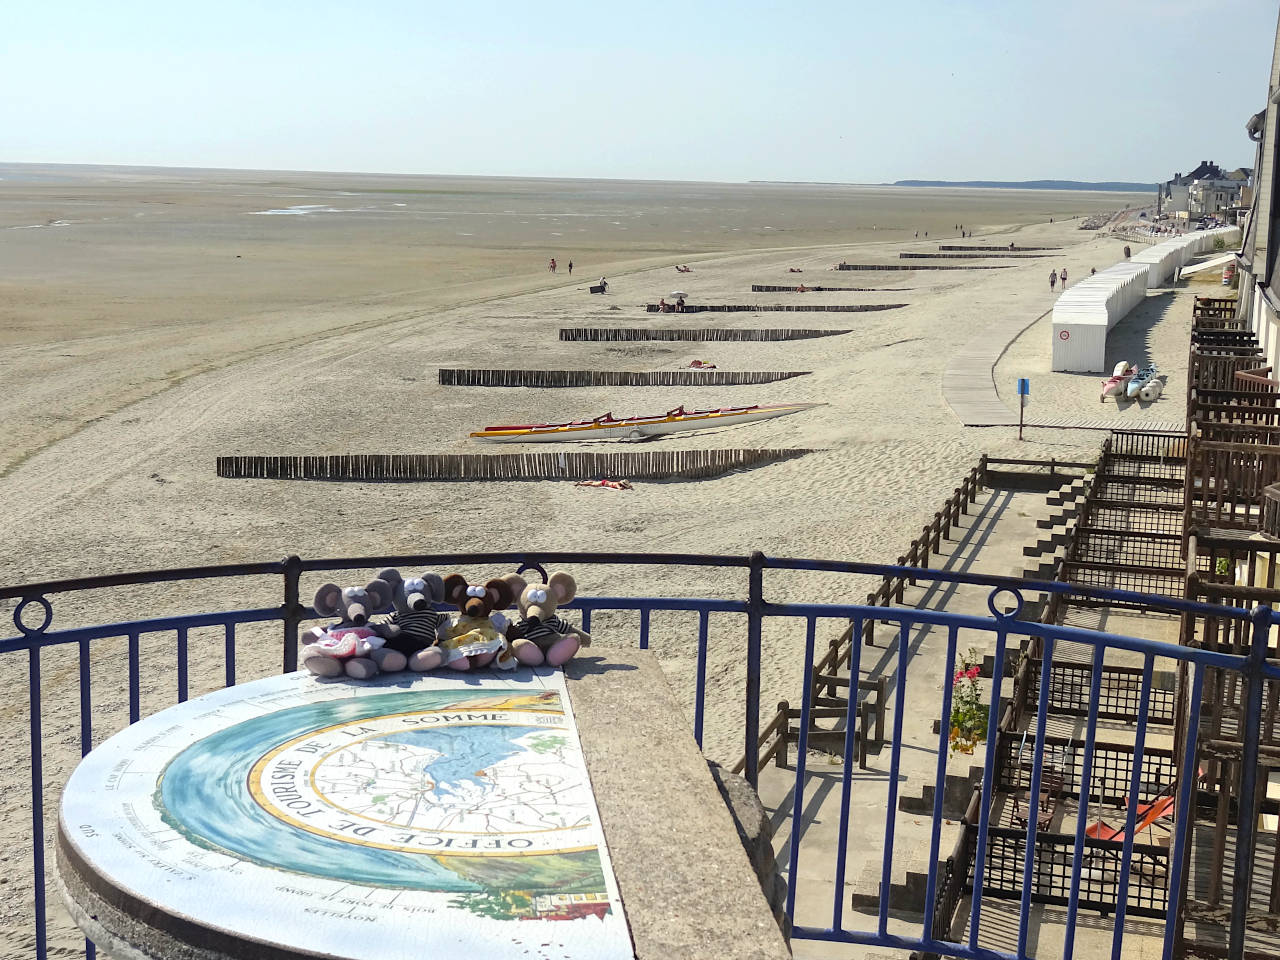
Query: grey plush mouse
[[352, 645], [416, 626]]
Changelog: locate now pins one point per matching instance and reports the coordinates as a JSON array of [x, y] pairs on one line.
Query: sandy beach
[[167, 323]]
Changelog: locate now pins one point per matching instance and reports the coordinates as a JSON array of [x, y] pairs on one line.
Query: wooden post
[[784, 733]]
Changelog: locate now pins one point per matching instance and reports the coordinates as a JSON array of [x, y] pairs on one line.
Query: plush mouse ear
[[501, 593], [455, 588], [391, 575], [435, 586], [328, 602], [562, 586], [380, 593], [516, 583]]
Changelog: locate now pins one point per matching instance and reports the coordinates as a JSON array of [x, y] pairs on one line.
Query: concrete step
[[1061, 517], [1050, 545], [1038, 571], [1063, 497]]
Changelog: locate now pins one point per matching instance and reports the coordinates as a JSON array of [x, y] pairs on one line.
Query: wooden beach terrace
[[1191, 511]]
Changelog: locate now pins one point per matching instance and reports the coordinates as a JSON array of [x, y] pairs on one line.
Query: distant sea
[[621, 218]]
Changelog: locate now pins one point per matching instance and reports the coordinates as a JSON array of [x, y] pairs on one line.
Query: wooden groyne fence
[[972, 256], [774, 288], [612, 378], [780, 308], [411, 467], [611, 334], [946, 246], [923, 266]]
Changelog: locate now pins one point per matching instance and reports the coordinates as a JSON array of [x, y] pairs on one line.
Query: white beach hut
[[1086, 312], [1168, 257], [1164, 259]]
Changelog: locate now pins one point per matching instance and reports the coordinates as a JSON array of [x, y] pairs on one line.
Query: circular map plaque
[[394, 818]]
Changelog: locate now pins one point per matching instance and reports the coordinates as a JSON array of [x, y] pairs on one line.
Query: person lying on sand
[[606, 484]]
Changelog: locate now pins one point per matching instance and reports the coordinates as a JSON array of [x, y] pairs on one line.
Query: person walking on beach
[[1053, 280], [1063, 278], [571, 268], [552, 265], [604, 285]]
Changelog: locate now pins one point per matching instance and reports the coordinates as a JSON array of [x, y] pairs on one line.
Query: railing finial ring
[[1003, 614], [22, 626], [530, 565]]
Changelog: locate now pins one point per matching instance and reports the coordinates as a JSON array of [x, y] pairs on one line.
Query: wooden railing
[[1271, 511], [830, 691], [1217, 308], [891, 589], [772, 744], [1226, 475], [784, 729]]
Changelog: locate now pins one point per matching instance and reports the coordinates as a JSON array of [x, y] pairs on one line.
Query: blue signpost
[[1024, 391]]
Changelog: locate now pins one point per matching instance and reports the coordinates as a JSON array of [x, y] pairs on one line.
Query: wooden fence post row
[[930, 266], [781, 308], [405, 468], [930, 541], [774, 288], [709, 334], [611, 378]]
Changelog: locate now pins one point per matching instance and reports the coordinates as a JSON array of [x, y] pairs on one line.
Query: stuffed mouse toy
[[352, 645], [478, 636], [415, 628], [540, 636]]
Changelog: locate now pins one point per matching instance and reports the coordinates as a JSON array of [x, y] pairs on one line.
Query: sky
[[847, 91]]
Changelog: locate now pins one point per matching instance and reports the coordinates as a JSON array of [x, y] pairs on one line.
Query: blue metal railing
[[1002, 626]]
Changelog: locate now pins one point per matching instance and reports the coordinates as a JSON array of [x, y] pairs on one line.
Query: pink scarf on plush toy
[[343, 643]]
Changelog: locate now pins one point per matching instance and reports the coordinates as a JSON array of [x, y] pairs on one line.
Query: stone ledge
[[687, 886]]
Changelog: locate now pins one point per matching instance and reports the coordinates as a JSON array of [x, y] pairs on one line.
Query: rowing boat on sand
[[606, 426]]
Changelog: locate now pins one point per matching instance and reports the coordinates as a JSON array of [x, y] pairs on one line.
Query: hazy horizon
[[820, 92], [9, 164]]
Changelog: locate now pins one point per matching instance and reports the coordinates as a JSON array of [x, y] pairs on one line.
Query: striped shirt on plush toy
[[542, 632], [417, 630]]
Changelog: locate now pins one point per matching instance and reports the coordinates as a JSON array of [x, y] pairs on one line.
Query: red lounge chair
[[1148, 813]]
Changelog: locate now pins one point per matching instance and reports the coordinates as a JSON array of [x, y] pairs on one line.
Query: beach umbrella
[[677, 294]]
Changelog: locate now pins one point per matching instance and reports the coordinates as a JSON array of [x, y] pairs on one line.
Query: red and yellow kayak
[[607, 426]]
